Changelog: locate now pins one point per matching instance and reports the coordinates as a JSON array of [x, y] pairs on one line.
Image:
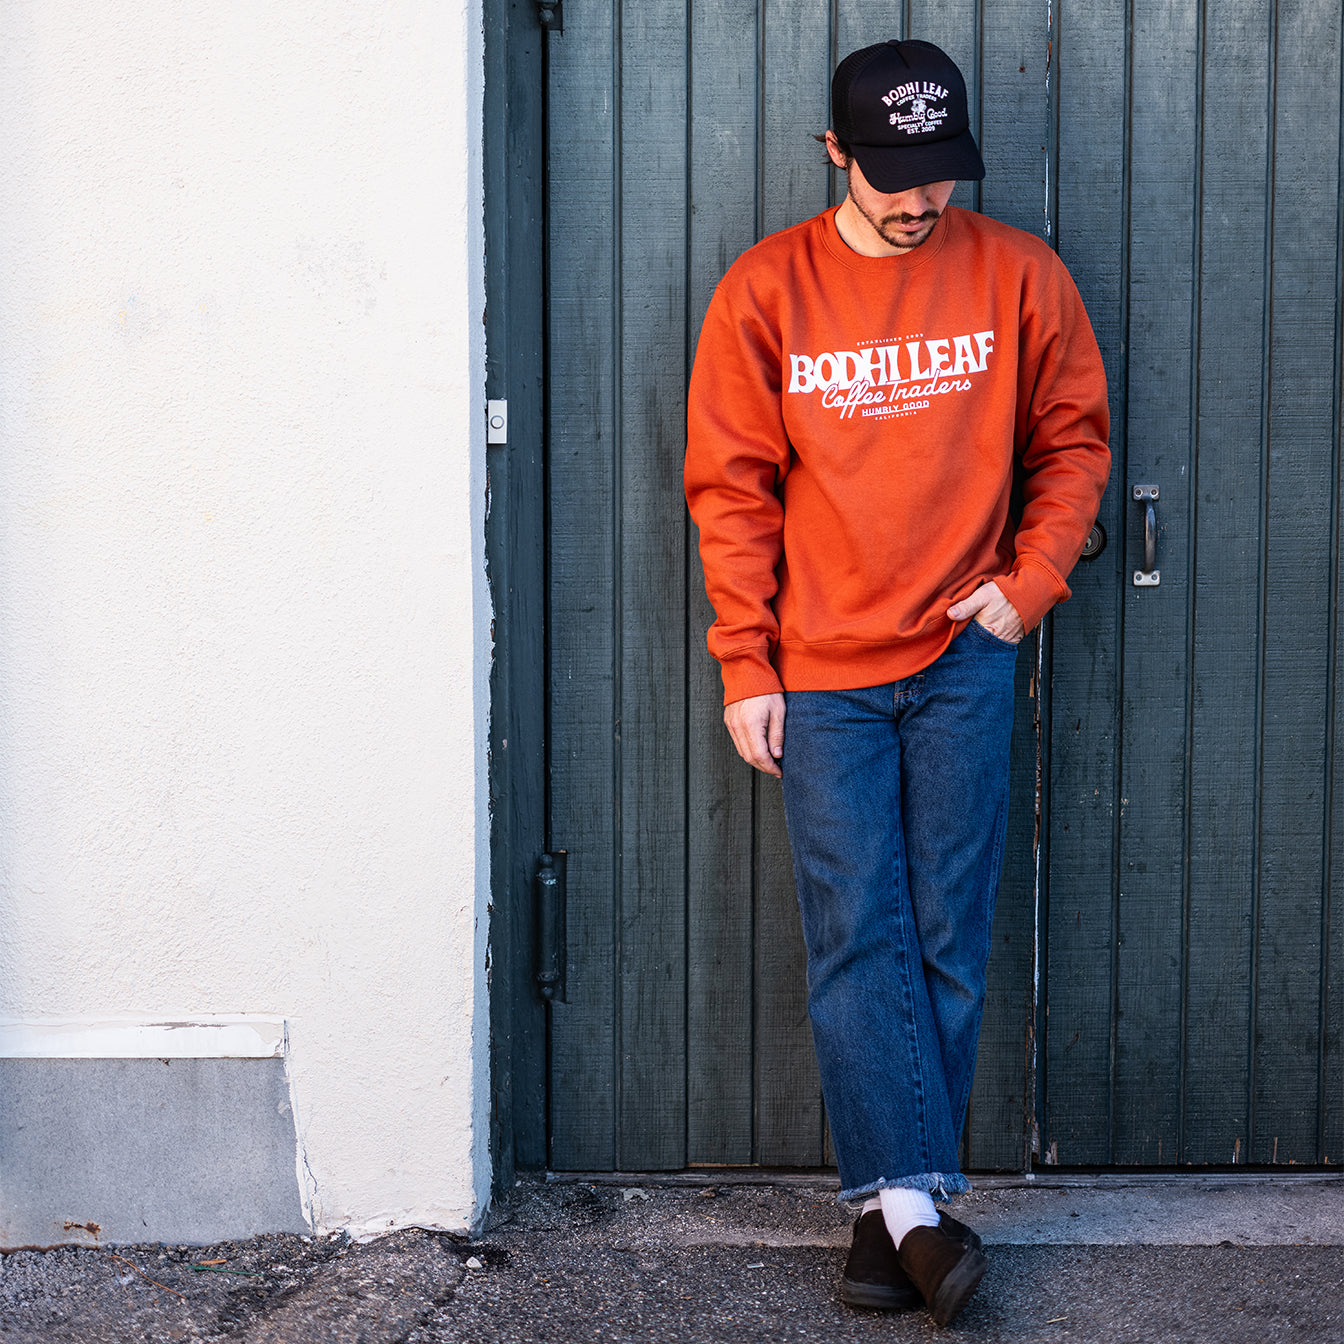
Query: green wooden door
[[1194, 921], [1185, 160]]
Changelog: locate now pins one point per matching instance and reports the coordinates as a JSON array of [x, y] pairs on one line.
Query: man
[[866, 387]]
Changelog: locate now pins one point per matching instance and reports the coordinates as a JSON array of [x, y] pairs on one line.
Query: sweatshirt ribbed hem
[[846, 665]]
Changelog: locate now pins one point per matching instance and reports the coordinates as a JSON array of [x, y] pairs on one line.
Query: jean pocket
[[985, 633]]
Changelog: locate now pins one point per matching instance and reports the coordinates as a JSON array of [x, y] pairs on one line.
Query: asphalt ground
[[1214, 1260]]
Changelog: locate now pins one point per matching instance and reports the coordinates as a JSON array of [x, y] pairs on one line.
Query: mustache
[[927, 217]]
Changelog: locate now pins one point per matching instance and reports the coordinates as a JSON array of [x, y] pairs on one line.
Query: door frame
[[515, 328]]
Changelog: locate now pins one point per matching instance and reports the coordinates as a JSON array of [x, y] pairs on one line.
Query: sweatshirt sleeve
[[737, 454], [1062, 426]]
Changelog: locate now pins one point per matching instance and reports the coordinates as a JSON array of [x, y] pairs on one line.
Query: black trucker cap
[[901, 109]]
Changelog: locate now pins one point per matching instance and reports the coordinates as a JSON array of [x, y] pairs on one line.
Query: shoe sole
[[956, 1289], [879, 1298]]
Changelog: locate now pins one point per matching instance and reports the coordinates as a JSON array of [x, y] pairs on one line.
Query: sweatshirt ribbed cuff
[[1033, 589], [746, 676]]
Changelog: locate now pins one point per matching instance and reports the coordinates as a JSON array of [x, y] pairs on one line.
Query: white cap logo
[[913, 108]]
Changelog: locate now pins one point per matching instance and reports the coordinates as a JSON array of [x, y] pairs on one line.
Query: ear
[[833, 149]]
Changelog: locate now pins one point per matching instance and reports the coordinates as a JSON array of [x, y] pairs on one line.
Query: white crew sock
[[903, 1209]]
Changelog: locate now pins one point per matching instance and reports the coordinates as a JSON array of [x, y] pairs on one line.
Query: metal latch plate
[[496, 421]]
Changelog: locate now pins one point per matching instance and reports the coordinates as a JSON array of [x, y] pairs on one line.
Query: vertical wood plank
[[788, 1088], [1332, 968], [1151, 902], [1079, 986], [723, 135], [1302, 361], [652, 581], [1227, 648], [583, 449], [795, 105], [996, 1137], [1014, 128], [860, 23]]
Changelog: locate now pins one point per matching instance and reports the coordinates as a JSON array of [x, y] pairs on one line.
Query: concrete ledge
[[115, 1151]]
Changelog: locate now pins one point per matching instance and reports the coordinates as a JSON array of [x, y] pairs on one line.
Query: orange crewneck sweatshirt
[[853, 427]]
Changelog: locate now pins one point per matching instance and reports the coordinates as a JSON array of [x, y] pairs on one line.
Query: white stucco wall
[[244, 630]]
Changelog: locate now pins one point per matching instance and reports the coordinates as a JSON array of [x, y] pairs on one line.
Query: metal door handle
[[1149, 576]]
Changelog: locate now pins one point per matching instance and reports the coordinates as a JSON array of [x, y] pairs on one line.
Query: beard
[[888, 227], [894, 229]]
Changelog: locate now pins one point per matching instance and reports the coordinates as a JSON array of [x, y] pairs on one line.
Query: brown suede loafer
[[958, 1231], [945, 1271], [873, 1275]]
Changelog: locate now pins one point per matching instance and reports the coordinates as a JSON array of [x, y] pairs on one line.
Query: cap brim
[[893, 168]]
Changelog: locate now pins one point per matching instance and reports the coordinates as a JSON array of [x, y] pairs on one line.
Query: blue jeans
[[896, 798]]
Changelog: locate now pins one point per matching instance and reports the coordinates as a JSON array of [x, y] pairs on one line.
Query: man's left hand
[[994, 611]]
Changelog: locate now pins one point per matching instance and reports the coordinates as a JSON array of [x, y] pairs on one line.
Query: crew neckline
[[912, 260]]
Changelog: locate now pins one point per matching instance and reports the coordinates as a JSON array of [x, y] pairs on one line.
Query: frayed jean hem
[[938, 1184]]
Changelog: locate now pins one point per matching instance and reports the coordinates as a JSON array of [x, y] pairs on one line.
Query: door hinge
[[551, 936], [551, 15]]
